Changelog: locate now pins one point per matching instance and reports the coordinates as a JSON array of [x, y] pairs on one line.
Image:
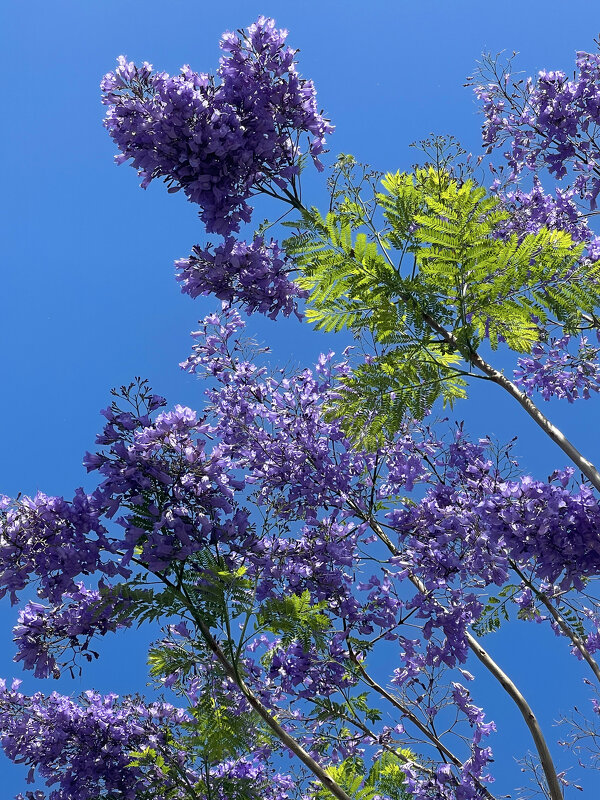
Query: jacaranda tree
[[304, 530]]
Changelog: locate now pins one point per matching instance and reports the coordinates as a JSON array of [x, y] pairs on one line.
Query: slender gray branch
[[488, 662], [497, 377], [232, 673], [564, 626], [412, 717]]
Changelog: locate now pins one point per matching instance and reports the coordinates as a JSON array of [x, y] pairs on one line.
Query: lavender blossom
[[555, 371], [44, 634], [551, 123], [534, 210], [218, 138], [53, 541], [254, 275], [83, 748]]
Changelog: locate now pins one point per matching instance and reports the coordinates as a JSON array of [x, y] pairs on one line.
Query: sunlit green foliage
[[423, 275], [293, 618], [384, 779]]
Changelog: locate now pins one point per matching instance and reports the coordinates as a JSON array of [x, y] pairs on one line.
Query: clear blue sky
[[88, 296]]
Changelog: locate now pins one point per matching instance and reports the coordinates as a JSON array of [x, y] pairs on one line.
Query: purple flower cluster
[[277, 430], [255, 275], [534, 210], [274, 427], [219, 139], [554, 371], [469, 533], [176, 497], [316, 560], [443, 783], [44, 634], [84, 749], [52, 541], [304, 672], [253, 773], [547, 524], [460, 535], [551, 123]]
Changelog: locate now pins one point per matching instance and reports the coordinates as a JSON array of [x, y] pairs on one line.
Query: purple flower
[[218, 138], [84, 748], [254, 275], [44, 634], [555, 371]]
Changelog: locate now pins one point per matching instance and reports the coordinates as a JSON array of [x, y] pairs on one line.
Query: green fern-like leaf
[[465, 283], [495, 611], [384, 778], [295, 618]]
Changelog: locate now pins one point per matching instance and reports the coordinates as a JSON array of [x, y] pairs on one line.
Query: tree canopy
[[319, 553]]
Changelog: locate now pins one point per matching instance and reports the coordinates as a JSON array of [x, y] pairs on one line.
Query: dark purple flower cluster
[[548, 525], [534, 210], [303, 671], [176, 497], [44, 634], [439, 534], [551, 123], [461, 534], [465, 533], [84, 749], [444, 785], [554, 371], [52, 541], [255, 275], [172, 496], [475, 715], [277, 432], [315, 560], [219, 139]]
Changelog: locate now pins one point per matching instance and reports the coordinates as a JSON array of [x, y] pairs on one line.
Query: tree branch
[[484, 657], [412, 717], [497, 377], [577, 641], [255, 703]]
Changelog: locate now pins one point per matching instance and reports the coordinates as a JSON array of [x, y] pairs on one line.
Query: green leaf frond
[[134, 602], [354, 707], [338, 266], [465, 276], [218, 732], [384, 779], [295, 618], [496, 610], [216, 591], [375, 400], [217, 729]]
